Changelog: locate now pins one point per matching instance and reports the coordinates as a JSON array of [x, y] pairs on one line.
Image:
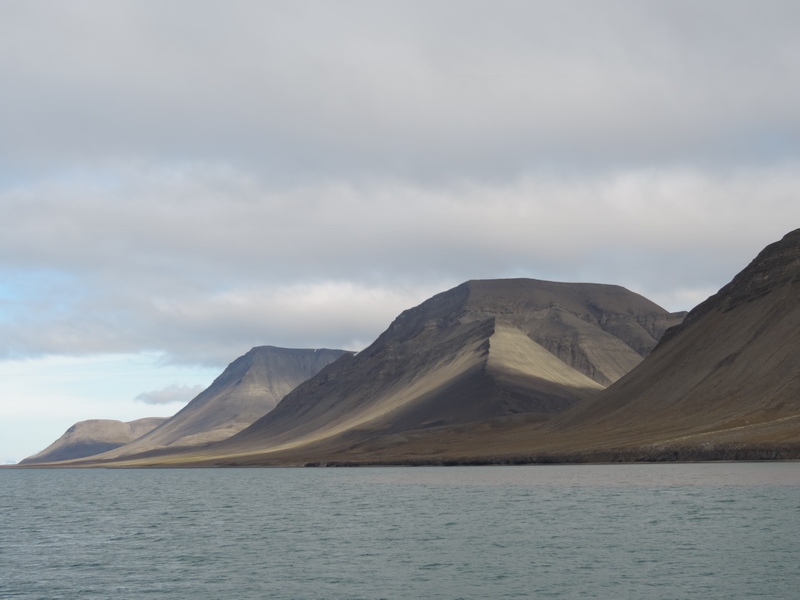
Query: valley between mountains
[[503, 371]]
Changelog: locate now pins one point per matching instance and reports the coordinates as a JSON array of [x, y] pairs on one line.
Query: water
[[628, 531]]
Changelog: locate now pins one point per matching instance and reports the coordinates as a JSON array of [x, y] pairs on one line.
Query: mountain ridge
[[733, 359], [723, 385], [498, 371], [248, 388], [251, 386], [456, 358]]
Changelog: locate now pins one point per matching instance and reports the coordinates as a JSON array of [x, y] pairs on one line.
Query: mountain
[[722, 385], [87, 438], [246, 390], [725, 381], [515, 371], [482, 350]]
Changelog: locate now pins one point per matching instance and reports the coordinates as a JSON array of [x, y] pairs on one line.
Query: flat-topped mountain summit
[[482, 350], [95, 436]]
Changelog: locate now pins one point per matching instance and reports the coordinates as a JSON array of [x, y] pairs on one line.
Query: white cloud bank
[[203, 262]]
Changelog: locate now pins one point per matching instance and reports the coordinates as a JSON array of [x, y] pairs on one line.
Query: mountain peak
[[776, 266], [246, 390], [482, 350], [725, 378]]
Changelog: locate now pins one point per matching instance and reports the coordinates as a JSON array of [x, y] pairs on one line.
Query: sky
[[181, 181]]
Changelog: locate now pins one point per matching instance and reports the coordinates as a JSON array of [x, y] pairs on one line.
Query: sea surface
[[662, 531]]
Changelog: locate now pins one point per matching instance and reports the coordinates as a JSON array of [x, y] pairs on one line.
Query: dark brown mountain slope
[[249, 388], [725, 384], [729, 374], [482, 350], [95, 436]]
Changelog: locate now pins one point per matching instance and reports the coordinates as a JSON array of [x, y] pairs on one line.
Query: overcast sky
[[183, 180]]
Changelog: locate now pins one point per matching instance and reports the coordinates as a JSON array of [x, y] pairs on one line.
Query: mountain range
[[247, 389], [722, 385], [527, 371], [483, 350]]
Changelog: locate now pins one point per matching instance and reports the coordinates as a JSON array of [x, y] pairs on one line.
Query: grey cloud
[[170, 395], [415, 89], [198, 178], [203, 263]]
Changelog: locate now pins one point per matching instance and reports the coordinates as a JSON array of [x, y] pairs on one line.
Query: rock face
[[246, 390], [728, 375], [482, 350], [87, 438]]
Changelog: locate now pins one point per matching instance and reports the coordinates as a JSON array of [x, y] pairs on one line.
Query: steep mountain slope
[[729, 374], [249, 388], [87, 438], [723, 385], [482, 350]]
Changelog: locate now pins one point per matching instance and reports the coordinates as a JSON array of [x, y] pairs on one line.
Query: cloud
[[298, 173], [204, 261], [410, 89], [172, 394], [43, 396]]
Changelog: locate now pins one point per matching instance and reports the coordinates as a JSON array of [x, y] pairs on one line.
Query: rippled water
[[628, 531]]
